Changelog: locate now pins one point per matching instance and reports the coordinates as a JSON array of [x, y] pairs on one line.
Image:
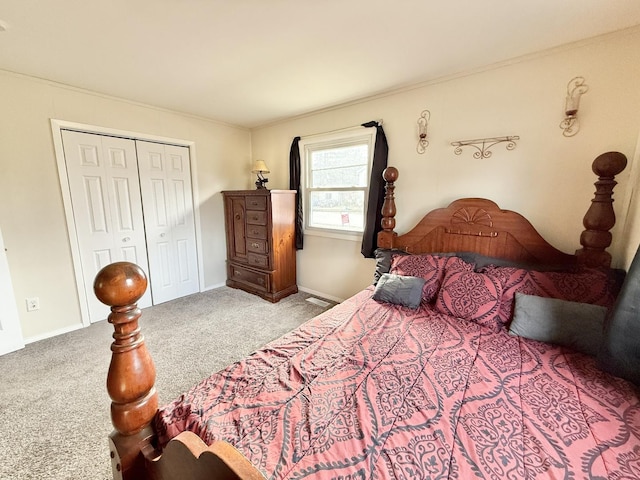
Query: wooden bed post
[[131, 377], [387, 236], [600, 218]]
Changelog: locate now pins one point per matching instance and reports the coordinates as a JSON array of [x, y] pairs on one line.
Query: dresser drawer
[[255, 245], [258, 280], [256, 260], [256, 203], [257, 231], [256, 217]]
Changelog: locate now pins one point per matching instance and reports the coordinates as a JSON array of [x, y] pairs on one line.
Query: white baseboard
[[53, 333], [321, 294], [213, 287], [302, 289]]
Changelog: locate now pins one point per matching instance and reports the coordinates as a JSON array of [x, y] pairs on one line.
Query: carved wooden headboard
[[479, 225]]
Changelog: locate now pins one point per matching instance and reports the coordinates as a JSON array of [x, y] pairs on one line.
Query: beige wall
[[631, 220], [31, 209], [547, 177]]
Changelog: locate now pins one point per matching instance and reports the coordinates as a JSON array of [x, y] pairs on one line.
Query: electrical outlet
[[33, 303]]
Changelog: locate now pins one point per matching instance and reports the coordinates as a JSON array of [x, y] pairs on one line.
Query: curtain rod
[[378, 121]]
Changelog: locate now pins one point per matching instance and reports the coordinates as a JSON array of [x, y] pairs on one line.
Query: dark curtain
[[294, 184], [376, 192]]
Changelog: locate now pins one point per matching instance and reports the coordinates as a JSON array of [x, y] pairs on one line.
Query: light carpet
[[54, 408]]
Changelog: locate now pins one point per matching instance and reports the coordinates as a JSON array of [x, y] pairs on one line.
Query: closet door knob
[[126, 239]]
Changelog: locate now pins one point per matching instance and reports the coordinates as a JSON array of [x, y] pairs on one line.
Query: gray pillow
[[482, 261], [399, 290], [571, 324]]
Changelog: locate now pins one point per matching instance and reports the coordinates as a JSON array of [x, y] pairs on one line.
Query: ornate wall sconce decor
[[423, 123], [483, 145], [575, 89]]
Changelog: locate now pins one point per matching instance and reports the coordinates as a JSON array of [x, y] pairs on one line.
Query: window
[[336, 181]]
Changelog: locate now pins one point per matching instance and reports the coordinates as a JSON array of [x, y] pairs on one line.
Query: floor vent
[[317, 301]]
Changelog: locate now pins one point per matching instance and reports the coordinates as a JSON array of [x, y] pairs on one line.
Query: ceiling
[[251, 62]]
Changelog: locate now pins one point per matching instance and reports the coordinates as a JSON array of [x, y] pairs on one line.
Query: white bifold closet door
[[132, 201], [107, 208], [165, 182]]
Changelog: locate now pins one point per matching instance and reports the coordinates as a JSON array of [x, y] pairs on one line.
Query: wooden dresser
[[261, 254]]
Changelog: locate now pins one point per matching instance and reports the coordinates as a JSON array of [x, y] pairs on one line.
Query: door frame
[[11, 330], [56, 129]]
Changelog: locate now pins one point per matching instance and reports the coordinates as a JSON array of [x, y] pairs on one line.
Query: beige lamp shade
[[260, 167]]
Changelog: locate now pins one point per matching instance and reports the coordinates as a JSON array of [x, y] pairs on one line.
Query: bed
[[417, 376]]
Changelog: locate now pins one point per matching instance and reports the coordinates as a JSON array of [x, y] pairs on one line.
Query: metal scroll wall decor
[[575, 89], [423, 124], [483, 145]]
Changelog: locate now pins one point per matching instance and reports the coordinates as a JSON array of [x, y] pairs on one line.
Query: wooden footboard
[[187, 457], [130, 383]]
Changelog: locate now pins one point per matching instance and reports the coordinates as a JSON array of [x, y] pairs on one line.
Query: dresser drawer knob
[[255, 245]]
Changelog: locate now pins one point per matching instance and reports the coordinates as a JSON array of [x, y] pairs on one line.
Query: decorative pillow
[[572, 324], [383, 258], [458, 264], [427, 266], [399, 290], [470, 296], [587, 285]]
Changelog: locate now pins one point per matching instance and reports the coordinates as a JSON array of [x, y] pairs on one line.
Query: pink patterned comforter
[[370, 390]]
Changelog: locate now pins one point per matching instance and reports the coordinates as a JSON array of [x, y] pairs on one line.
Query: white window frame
[[307, 145]]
